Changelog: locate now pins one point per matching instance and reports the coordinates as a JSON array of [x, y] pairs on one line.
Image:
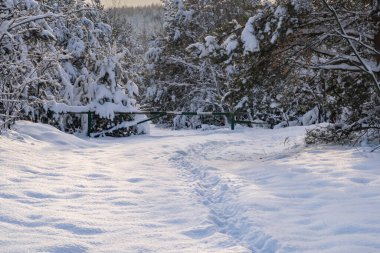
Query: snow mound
[[25, 130]]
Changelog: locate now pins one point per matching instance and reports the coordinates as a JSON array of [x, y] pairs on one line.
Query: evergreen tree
[[65, 61]]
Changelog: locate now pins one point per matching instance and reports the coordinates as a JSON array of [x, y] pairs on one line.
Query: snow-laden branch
[[342, 67], [363, 62], [345, 62], [23, 21], [357, 41], [8, 25], [177, 60]]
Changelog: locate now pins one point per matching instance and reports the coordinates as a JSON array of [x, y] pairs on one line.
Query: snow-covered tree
[[26, 40], [184, 70], [284, 62], [65, 60]]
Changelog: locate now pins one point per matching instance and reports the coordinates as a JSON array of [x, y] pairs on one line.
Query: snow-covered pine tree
[[81, 71]]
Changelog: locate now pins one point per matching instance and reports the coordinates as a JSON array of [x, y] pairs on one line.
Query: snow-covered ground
[[251, 190]]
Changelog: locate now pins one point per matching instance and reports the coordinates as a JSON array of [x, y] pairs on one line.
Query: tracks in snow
[[219, 193]]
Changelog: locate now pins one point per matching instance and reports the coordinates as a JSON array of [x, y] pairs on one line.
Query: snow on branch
[[248, 35], [363, 62]]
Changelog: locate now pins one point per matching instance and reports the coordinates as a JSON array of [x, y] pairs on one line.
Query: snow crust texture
[[252, 190]]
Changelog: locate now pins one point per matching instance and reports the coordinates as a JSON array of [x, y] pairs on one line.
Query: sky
[[109, 3]]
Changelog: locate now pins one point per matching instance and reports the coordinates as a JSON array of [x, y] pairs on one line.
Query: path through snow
[[252, 190]]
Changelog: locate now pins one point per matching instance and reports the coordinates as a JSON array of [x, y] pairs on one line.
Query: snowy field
[[251, 190]]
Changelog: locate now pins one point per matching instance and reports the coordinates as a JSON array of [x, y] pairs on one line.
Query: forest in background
[[282, 63]]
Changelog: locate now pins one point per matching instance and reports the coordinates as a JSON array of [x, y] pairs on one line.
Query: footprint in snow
[[74, 229], [359, 180], [51, 174], [124, 203], [38, 195], [8, 196], [200, 233], [68, 248], [176, 221], [97, 176], [135, 180], [137, 192], [181, 152]]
